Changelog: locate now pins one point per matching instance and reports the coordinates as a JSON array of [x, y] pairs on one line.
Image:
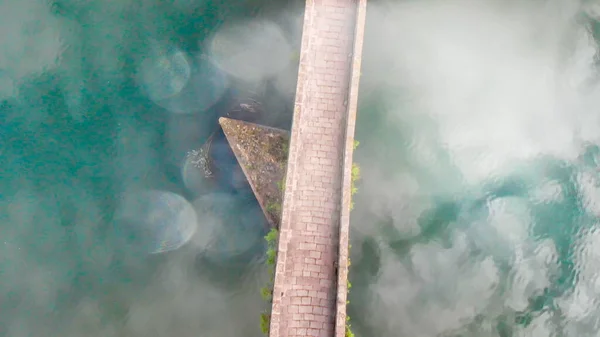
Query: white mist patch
[[589, 188], [228, 227], [548, 191], [501, 93], [136, 157], [286, 78], [36, 267], [183, 134], [251, 50], [157, 221], [542, 326], [8, 87], [394, 203], [209, 223], [580, 306], [30, 39], [182, 313], [530, 274], [206, 86], [486, 112], [441, 291], [510, 218], [164, 71]]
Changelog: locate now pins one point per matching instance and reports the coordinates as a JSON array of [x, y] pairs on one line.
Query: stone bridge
[[309, 296]]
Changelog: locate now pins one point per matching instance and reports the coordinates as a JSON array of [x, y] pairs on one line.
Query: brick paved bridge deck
[[309, 296]]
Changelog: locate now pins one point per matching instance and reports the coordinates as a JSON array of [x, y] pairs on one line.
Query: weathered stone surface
[[262, 154], [309, 294]]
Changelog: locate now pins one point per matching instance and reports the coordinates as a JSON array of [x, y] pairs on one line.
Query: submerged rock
[[198, 168], [247, 109]]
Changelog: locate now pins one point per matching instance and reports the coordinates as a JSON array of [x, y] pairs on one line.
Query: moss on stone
[[262, 154]]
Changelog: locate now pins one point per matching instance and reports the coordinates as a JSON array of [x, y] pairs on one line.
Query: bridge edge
[[290, 175], [344, 230]]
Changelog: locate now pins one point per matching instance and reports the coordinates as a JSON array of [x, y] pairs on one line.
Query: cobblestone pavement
[[304, 300]]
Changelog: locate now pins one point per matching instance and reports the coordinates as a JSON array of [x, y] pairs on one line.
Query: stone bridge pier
[[310, 290]]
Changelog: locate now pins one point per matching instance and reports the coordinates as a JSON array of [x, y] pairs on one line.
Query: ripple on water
[[435, 282], [528, 254], [579, 306]]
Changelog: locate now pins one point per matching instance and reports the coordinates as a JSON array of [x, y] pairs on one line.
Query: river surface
[[477, 211], [106, 229]]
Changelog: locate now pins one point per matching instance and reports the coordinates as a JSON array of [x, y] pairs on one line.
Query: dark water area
[[100, 101]]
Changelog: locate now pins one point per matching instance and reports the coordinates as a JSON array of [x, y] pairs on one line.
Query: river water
[[106, 229], [477, 211]]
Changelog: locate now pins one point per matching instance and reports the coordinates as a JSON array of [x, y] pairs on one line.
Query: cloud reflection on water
[[480, 217]]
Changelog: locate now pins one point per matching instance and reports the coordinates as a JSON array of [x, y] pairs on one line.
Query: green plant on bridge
[[266, 292], [265, 322], [354, 177], [272, 240], [348, 332], [281, 185], [274, 208]]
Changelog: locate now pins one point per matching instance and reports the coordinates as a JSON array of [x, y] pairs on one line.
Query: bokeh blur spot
[[164, 72], [157, 221], [251, 50]]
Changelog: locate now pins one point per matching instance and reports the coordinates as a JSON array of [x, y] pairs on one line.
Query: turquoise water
[[100, 101], [477, 211], [483, 220]]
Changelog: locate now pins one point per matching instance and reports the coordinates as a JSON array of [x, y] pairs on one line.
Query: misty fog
[[106, 229], [478, 203], [477, 211]]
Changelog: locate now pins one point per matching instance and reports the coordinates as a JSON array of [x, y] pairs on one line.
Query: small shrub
[[349, 332], [265, 321], [281, 185], [266, 292], [271, 256], [272, 236], [274, 207], [354, 177]]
